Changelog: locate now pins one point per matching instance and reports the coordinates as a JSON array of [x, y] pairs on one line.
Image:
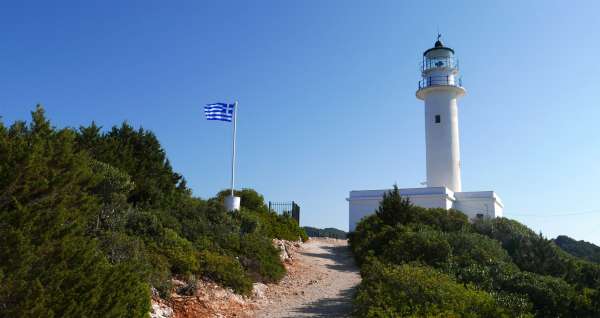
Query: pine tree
[[394, 208], [48, 267]]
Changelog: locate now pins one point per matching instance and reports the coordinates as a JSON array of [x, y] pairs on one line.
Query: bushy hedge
[[91, 220], [227, 270], [522, 272], [414, 290], [261, 258], [256, 213]]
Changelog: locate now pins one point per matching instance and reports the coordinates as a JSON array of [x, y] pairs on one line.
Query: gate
[[291, 208]]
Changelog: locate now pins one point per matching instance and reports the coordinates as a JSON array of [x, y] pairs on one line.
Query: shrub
[[582, 249], [89, 220], [533, 253], [180, 253], [551, 297], [144, 224], [225, 270], [472, 248], [370, 238], [49, 267], [422, 245], [261, 258], [395, 209], [249, 199], [418, 291], [522, 272]]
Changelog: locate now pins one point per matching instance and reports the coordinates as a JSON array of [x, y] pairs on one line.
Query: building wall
[[442, 140], [365, 203], [359, 209], [432, 201], [487, 203]]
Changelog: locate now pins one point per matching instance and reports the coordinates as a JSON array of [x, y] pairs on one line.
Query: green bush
[[534, 253], [422, 245], [254, 216], [472, 248], [522, 272], [249, 199], [91, 220], [551, 297], [582, 249], [144, 224], [225, 270], [395, 209], [180, 253], [261, 258], [272, 225], [419, 291], [49, 267]]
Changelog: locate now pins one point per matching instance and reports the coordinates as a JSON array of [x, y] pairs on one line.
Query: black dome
[[438, 46]]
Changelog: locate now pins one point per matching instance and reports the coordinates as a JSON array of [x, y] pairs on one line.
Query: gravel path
[[320, 283]]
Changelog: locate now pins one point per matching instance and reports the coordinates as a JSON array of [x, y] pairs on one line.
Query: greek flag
[[219, 111]]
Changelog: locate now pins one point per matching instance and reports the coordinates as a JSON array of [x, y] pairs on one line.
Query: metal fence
[[290, 208], [440, 81]]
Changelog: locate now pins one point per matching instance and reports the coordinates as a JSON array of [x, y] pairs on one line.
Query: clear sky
[[327, 93]]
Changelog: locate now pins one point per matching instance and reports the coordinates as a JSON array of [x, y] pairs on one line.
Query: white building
[[440, 88]]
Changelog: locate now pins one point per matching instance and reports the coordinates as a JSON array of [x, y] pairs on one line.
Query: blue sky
[[326, 92]]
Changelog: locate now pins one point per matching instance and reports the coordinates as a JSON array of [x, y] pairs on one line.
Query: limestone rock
[[160, 310], [258, 290]]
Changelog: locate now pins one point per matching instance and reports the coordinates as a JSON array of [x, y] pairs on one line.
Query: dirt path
[[320, 283]]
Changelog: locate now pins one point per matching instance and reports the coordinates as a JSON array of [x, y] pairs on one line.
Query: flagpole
[[235, 111]]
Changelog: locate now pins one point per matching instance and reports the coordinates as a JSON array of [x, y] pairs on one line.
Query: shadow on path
[[340, 255], [340, 306]]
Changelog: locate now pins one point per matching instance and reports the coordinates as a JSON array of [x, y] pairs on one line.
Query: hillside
[[94, 223], [326, 232], [432, 262], [581, 249]]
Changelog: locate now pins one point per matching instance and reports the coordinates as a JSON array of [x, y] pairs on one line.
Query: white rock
[[283, 249], [160, 311], [258, 290]]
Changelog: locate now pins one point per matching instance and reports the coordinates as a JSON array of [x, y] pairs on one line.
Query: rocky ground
[[320, 281]]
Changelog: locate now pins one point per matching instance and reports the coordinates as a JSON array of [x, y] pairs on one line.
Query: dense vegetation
[[418, 262], [91, 221], [583, 249], [326, 232]]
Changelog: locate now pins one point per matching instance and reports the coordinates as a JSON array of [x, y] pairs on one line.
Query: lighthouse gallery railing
[[440, 81]]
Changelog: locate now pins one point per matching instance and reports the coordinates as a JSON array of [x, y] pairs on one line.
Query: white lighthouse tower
[[440, 88]]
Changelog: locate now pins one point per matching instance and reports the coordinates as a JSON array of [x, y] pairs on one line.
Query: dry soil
[[320, 283]]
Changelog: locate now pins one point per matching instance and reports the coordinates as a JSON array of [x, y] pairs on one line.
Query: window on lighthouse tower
[[438, 119]]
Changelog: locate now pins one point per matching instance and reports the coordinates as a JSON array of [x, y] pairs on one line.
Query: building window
[[438, 119], [479, 216]]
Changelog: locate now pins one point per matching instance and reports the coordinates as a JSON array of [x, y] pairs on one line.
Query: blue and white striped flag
[[219, 111]]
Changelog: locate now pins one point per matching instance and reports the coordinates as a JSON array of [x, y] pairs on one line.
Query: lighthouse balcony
[[433, 63], [440, 81], [446, 83]]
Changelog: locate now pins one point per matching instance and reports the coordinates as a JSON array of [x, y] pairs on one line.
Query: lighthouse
[[440, 88]]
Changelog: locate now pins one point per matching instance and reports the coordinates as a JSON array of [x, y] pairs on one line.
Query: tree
[[249, 199], [395, 209], [49, 267], [139, 154], [112, 189]]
